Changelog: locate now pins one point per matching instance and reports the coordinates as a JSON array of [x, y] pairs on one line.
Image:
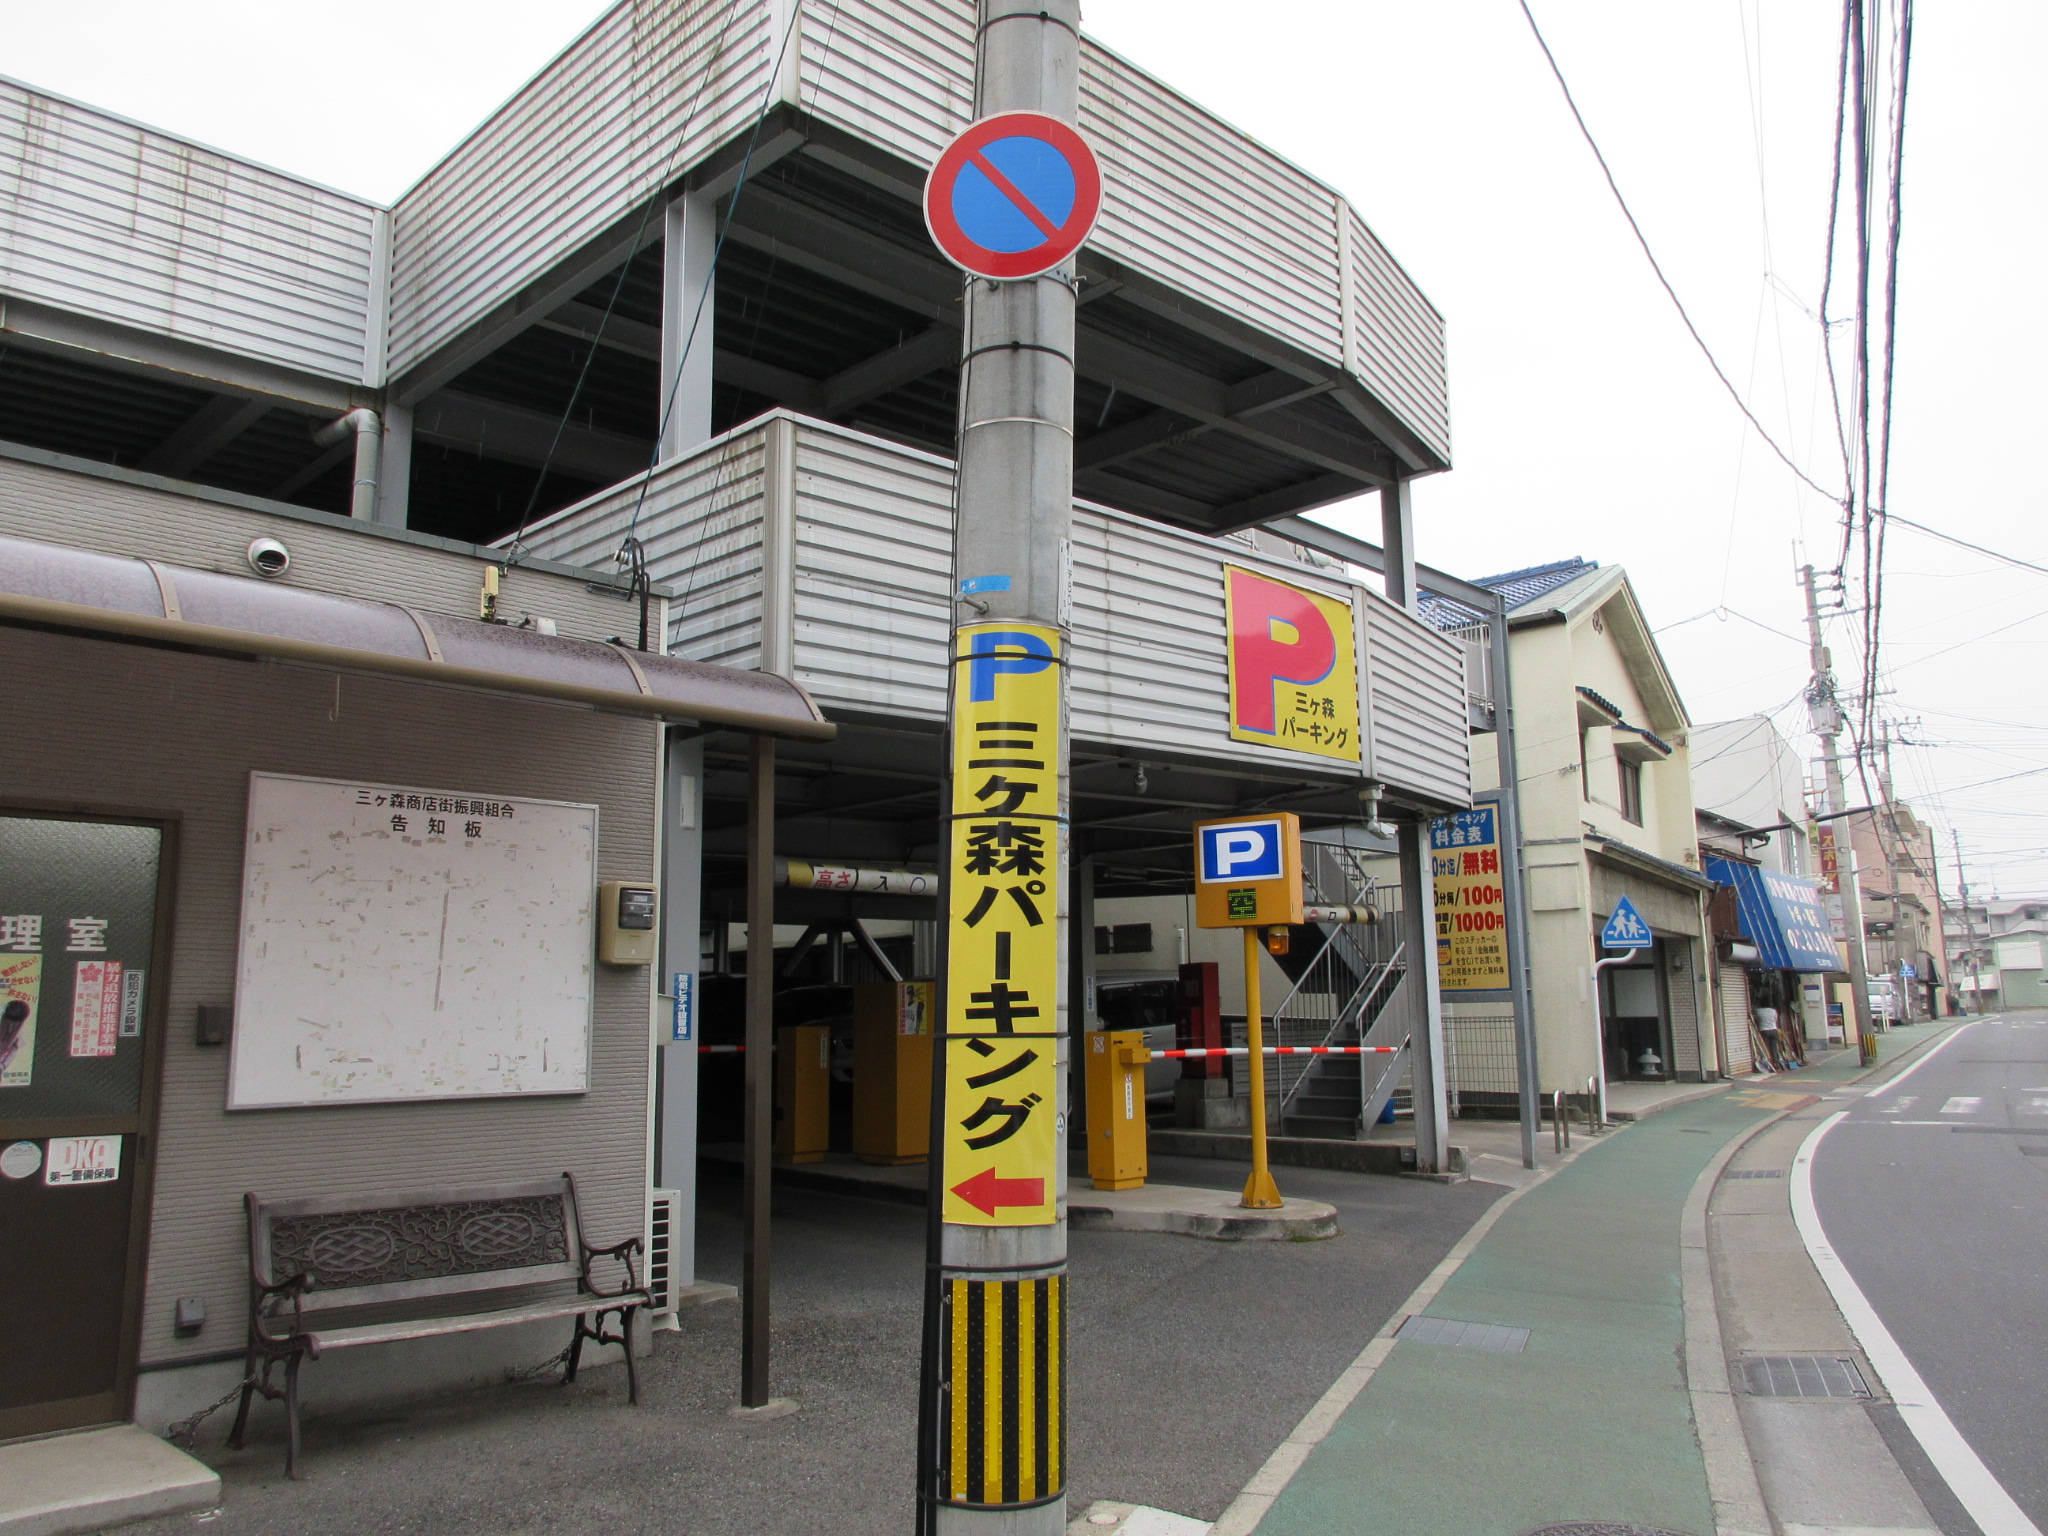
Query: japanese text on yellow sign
[[1002, 960], [1293, 666], [1471, 902]]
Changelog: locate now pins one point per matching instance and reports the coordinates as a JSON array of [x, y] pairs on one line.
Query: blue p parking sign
[[1241, 850]]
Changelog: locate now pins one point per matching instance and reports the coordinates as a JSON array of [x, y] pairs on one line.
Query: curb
[[1213, 1214]]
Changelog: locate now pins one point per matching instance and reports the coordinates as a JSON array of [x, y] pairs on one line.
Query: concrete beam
[[202, 434], [522, 436]]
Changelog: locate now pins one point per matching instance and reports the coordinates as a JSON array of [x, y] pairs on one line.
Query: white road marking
[[1899, 1106], [1963, 1104], [1980, 1494]]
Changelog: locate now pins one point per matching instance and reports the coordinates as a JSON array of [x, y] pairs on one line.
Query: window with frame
[[1631, 776]]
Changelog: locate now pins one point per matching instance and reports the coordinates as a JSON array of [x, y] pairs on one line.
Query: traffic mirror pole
[[992, 1400]]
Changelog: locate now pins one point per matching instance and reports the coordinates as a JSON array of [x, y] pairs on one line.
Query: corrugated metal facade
[[1417, 686], [626, 108], [155, 731], [872, 535], [1190, 201], [115, 517], [101, 217]]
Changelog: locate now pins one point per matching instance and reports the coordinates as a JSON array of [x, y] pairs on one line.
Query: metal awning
[[1783, 915], [51, 585]]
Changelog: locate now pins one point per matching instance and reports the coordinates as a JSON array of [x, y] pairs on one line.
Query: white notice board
[[402, 943]]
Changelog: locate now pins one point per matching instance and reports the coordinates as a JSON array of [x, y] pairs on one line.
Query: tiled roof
[[1518, 587]]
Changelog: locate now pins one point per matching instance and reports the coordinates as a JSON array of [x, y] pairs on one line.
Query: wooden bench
[[404, 1263]]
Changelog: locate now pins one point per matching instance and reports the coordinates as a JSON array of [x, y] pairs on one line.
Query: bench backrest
[[402, 1247]]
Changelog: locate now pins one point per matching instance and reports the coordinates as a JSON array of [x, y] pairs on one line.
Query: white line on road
[[1980, 1494], [1963, 1104]]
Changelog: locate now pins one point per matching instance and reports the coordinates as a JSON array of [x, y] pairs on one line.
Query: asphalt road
[[1936, 1197], [1189, 1361]]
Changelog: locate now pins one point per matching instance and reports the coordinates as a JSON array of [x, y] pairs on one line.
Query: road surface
[[1935, 1195]]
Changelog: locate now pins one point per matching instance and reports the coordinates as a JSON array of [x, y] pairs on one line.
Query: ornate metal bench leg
[[632, 1369], [575, 1351], [241, 1428], [291, 1416]]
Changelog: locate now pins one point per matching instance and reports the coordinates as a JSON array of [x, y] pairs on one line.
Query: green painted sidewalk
[[1592, 1422]]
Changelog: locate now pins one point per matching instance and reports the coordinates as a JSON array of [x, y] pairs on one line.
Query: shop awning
[[53, 586], [1783, 915]]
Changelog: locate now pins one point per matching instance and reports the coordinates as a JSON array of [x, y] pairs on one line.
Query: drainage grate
[[1754, 1173], [1444, 1330], [1597, 1528], [1804, 1376]]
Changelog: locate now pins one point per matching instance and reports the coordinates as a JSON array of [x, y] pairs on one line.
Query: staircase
[[1357, 975]]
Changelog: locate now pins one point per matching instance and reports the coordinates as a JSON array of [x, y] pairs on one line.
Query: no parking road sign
[[1013, 196]]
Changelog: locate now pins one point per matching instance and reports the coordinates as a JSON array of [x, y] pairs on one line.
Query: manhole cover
[[1443, 1330], [1598, 1528], [1803, 1376]]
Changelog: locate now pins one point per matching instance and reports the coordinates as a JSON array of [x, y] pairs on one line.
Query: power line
[[1651, 256], [1949, 538]]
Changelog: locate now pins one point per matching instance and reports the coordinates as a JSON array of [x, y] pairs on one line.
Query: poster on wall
[[1293, 666], [21, 991], [1471, 901], [401, 943]]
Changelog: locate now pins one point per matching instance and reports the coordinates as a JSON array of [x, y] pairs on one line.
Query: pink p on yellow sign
[[1293, 666]]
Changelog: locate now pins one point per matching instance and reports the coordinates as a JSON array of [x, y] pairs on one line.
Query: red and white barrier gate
[[1280, 1050]]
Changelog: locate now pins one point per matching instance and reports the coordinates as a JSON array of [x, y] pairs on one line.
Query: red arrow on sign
[[985, 1191]]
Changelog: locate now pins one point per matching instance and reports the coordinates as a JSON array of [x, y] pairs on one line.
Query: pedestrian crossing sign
[[1626, 928]]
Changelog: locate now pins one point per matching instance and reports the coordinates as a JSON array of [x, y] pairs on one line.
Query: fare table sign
[[1471, 901]]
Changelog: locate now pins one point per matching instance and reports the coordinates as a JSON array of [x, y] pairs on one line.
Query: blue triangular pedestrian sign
[[1626, 928]]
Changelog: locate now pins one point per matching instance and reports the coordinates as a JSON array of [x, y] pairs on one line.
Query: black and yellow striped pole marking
[[1004, 1445]]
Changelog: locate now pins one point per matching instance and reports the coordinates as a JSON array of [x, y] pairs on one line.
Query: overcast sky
[[1584, 423]]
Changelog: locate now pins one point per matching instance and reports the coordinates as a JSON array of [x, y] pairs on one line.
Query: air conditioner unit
[[665, 1218]]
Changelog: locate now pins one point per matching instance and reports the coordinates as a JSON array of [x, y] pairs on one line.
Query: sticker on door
[[83, 1160]]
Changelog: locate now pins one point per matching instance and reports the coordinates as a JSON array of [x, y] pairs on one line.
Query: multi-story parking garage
[[661, 356]]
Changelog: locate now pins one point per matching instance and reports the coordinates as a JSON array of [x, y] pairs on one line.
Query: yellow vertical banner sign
[[1471, 901], [1002, 1088]]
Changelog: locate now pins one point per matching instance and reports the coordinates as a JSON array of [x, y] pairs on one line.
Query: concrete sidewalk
[[1589, 1416]]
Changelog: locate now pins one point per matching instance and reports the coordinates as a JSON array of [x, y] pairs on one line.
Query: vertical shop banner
[[1471, 902], [1293, 666], [1002, 1102], [21, 990]]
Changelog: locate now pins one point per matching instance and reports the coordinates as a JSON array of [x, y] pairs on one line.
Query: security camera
[[268, 558]]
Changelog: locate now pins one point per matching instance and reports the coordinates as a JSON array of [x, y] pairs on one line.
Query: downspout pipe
[[368, 428]]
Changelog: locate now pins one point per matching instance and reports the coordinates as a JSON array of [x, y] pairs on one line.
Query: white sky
[[1583, 421]]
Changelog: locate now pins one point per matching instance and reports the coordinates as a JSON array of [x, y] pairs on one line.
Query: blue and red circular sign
[[1013, 196]]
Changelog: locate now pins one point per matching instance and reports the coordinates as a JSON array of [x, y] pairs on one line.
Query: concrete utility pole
[[1826, 714], [992, 1435], [1976, 1002]]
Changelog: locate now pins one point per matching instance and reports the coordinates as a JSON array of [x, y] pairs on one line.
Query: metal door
[[82, 946]]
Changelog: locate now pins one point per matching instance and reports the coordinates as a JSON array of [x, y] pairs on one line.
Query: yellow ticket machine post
[[892, 1071], [1116, 1108], [803, 1093]]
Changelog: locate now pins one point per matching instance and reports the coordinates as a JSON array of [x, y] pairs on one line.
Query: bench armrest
[[623, 1253]]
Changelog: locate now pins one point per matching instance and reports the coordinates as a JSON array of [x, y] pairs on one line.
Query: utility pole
[[1976, 1004], [992, 1398], [1826, 714]]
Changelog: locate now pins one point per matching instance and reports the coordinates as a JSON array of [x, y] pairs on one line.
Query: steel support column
[[1426, 1014], [760, 1074], [1513, 884]]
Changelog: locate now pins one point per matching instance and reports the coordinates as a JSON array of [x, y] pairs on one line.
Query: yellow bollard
[[1116, 1108], [1260, 1193]]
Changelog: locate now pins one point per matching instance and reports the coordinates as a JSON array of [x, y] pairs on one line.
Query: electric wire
[[1656, 268]]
